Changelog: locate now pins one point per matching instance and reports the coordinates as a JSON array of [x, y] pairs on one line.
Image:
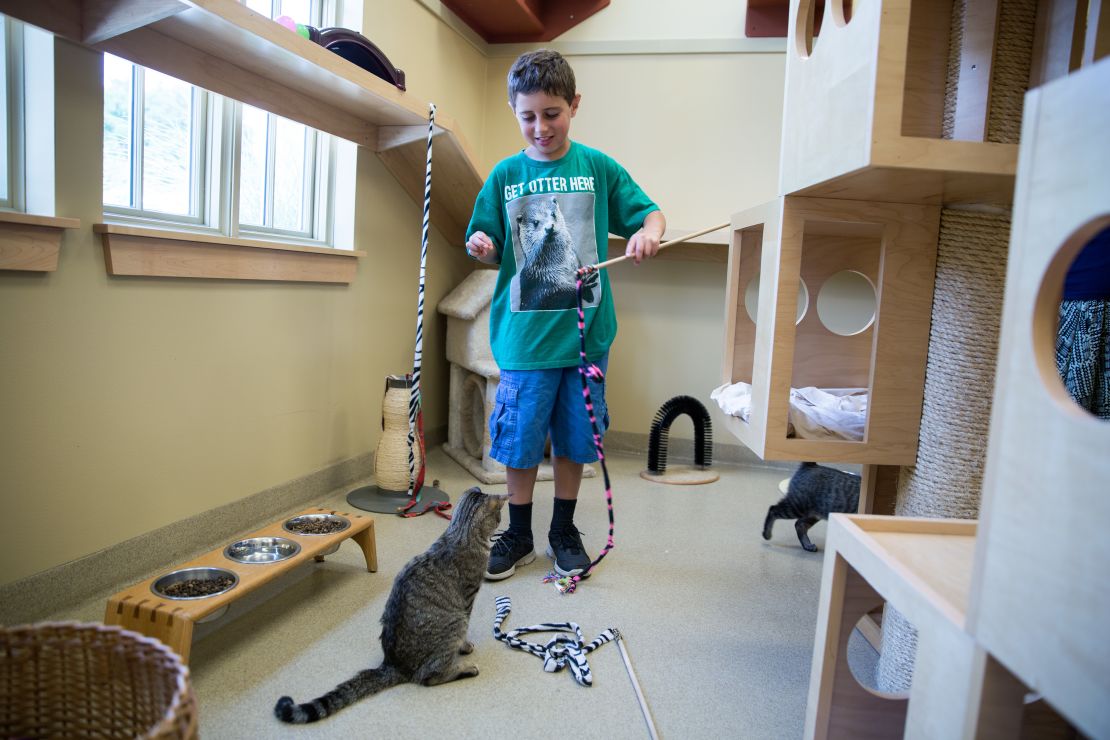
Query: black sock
[[562, 515], [520, 519]]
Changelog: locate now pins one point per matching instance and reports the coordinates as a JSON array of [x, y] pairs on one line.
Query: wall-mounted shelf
[[223, 46], [520, 21], [32, 243]]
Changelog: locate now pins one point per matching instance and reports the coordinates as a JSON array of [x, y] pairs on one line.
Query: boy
[[542, 214]]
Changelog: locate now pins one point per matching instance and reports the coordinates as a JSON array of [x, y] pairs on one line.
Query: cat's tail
[[365, 683]]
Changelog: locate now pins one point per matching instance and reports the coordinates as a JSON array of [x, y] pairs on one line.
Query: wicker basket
[[71, 680]]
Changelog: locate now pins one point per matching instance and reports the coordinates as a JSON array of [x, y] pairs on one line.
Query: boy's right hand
[[479, 246]]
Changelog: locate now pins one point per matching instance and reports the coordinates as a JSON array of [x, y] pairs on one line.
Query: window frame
[[216, 175]]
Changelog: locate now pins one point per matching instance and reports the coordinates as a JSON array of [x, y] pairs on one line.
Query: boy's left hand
[[643, 244]]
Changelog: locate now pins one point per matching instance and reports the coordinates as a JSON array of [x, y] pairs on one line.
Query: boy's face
[[545, 123]]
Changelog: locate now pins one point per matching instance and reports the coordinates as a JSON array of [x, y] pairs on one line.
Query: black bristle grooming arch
[[661, 427]]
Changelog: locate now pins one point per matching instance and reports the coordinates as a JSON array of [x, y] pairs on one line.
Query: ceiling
[[519, 21]]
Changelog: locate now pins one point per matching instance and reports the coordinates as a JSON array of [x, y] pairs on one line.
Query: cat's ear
[[496, 500]]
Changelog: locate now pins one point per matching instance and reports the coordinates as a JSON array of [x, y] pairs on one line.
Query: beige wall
[[127, 404]]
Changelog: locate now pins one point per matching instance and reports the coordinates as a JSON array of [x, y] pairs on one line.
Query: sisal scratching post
[[391, 457], [959, 385], [946, 479]]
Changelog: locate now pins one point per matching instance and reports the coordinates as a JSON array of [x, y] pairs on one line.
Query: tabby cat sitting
[[426, 616], [813, 494]]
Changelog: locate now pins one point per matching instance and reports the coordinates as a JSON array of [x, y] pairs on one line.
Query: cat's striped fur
[[813, 494], [426, 616]]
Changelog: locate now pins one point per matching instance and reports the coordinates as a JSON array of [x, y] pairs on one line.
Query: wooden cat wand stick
[[586, 270], [652, 732]]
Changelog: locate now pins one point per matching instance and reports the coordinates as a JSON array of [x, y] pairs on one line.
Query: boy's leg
[[514, 546], [521, 483], [572, 445], [518, 427]]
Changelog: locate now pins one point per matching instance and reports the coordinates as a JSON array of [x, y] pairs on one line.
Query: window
[[176, 155], [11, 111]]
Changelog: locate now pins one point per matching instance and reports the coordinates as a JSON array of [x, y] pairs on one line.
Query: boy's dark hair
[[542, 70]]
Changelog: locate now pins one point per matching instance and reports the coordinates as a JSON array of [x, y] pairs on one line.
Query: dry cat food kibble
[[198, 587], [304, 525]]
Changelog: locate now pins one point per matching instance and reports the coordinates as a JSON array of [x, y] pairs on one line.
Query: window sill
[[143, 252], [32, 243]]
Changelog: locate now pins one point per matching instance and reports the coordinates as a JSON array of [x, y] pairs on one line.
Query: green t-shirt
[[548, 219]]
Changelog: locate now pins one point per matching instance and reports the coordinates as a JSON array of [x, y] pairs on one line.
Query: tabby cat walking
[[813, 494], [426, 616]]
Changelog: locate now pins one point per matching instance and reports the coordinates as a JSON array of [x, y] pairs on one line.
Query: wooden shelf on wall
[[32, 243], [227, 48], [521, 21]]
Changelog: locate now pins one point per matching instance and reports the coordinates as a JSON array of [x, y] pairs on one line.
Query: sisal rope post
[[946, 479]]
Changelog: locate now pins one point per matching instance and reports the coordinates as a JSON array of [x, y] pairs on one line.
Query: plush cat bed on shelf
[[815, 413]]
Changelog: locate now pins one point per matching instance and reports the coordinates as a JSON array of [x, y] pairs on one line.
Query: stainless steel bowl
[[160, 586], [260, 550], [316, 518]]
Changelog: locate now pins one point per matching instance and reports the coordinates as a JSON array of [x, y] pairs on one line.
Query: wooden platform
[[923, 568], [171, 621]]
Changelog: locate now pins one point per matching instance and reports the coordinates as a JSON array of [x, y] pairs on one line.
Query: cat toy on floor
[[567, 649], [588, 370], [419, 499], [658, 442]]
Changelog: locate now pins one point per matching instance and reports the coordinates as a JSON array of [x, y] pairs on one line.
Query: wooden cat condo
[[1012, 604], [877, 137]]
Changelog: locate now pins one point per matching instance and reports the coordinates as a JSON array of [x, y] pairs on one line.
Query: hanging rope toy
[[416, 413], [588, 370]]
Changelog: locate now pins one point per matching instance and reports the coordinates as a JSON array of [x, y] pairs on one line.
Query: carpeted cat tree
[[967, 306]]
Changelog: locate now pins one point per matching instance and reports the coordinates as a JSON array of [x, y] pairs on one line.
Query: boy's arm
[[645, 242], [485, 233]]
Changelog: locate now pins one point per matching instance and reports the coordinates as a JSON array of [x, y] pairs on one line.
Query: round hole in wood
[[846, 303], [1071, 321], [751, 300], [862, 655], [805, 33], [842, 12]]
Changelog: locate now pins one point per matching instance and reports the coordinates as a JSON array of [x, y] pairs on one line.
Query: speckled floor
[[719, 625]]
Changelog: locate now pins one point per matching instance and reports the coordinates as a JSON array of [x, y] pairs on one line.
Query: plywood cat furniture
[[1020, 611], [868, 135], [864, 108], [893, 245]]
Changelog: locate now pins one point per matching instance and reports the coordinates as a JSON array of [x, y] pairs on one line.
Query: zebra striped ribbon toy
[[416, 425], [561, 651], [587, 370]]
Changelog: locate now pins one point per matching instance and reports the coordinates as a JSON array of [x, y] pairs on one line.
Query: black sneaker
[[565, 548], [509, 550]]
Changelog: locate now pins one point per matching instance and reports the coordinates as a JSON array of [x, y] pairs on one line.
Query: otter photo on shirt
[[553, 235]]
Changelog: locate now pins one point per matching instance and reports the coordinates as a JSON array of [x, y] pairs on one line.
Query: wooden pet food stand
[[139, 608]]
